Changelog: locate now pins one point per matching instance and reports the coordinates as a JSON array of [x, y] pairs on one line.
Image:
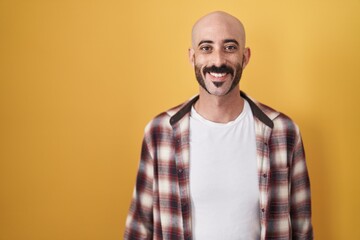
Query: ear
[[247, 55], [191, 56]]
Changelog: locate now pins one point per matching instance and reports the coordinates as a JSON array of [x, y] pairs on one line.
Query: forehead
[[216, 31], [216, 34]]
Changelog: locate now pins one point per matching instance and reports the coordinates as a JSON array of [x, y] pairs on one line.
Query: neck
[[220, 109]]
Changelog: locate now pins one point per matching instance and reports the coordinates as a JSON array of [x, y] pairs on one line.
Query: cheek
[[199, 59], [198, 70], [200, 63]]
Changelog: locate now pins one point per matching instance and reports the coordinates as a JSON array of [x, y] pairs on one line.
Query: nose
[[218, 58]]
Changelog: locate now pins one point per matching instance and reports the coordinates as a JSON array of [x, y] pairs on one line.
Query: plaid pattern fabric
[[160, 207]]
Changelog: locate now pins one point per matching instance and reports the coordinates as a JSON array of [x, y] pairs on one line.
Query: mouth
[[217, 75], [218, 79]]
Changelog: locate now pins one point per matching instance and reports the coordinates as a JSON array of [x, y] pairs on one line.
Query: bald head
[[220, 23]]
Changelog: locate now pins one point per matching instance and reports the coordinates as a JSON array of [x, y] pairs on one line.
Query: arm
[[139, 222], [300, 198]]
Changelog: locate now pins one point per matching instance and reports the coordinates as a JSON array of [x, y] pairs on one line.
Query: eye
[[205, 48], [231, 48]]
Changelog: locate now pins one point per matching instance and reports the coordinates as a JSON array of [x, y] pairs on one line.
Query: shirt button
[[263, 210], [180, 171], [264, 175]]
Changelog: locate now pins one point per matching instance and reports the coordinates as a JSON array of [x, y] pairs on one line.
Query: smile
[[217, 75]]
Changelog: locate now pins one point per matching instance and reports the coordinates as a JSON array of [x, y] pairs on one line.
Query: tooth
[[217, 74]]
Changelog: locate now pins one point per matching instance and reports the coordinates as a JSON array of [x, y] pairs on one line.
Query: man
[[221, 166]]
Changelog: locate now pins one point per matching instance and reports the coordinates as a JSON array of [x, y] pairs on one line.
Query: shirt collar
[[264, 113]]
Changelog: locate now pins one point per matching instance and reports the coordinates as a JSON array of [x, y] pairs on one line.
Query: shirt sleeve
[[300, 210], [139, 222]]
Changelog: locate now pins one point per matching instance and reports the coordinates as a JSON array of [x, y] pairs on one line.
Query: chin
[[218, 92]]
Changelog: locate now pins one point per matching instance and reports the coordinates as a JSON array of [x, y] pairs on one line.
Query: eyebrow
[[205, 41], [225, 41], [231, 41]]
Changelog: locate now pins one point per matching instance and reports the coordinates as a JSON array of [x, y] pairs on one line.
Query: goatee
[[222, 69]]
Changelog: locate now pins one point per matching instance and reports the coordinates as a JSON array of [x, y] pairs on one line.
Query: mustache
[[222, 69]]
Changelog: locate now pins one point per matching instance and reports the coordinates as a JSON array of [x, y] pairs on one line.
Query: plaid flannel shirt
[[160, 207]]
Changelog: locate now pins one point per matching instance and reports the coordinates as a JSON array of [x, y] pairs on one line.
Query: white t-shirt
[[224, 185]]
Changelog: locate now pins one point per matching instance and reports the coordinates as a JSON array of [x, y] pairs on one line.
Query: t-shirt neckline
[[195, 115]]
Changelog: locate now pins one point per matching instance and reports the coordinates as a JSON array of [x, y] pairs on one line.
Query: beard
[[235, 73]]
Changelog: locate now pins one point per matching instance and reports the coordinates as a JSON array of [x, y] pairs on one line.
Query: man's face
[[217, 56]]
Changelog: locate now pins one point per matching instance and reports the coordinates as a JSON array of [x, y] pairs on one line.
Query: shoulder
[[162, 122], [284, 132], [281, 121]]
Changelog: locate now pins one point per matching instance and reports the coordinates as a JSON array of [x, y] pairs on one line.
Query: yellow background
[[79, 79]]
